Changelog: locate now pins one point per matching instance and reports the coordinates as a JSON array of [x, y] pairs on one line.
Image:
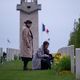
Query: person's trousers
[[45, 64], [25, 62]]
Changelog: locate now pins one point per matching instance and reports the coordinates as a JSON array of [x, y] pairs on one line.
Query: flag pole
[[8, 43]]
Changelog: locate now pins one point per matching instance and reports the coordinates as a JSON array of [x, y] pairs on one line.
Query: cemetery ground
[[13, 71]]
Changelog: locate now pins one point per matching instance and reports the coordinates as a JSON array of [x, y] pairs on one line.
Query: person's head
[[45, 44], [28, 23]]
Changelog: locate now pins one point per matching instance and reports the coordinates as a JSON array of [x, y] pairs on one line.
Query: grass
[[13, 71]]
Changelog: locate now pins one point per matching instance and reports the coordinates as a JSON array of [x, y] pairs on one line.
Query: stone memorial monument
[[29, 11]]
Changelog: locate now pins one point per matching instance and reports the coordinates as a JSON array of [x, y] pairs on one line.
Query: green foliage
[[75, 36], [64, 64], [15, 57], [13, 71]]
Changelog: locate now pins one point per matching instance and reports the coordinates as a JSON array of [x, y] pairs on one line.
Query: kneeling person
[[41, 59]]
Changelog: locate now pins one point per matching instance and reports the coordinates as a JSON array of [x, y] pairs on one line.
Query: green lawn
[[13, 71]]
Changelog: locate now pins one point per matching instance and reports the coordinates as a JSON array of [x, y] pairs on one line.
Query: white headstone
[[71, 51], [1, 52], [78, 63]]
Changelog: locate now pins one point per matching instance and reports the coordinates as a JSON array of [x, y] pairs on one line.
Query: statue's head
[[28, 23]]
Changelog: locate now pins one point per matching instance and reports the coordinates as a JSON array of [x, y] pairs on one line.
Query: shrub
[[64, 64], [57, 58]]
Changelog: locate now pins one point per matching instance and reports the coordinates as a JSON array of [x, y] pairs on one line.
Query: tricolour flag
[[47, 31], [43, 27]]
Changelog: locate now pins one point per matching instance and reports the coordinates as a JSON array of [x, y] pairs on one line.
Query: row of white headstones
[[11, 53], [69, 50], [74, 57]]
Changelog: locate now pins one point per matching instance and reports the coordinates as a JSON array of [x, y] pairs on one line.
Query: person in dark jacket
[[46, 61]]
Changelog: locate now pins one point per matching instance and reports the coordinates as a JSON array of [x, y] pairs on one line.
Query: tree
[[75, 35]]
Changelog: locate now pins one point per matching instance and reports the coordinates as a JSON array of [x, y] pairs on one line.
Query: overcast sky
[[57, 15]]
